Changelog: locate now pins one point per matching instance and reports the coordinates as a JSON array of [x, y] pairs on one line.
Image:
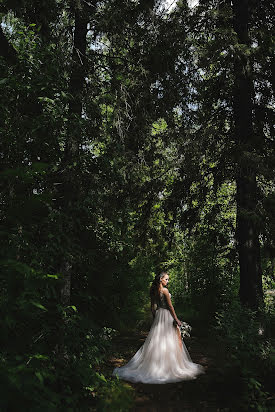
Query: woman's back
[[161, 301]]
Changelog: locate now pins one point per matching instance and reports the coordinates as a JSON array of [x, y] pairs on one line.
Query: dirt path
[[206, 393]]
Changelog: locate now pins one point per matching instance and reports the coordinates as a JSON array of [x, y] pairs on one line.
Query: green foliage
[[204, 273], [151, 188], [115, 396], [249, 354]]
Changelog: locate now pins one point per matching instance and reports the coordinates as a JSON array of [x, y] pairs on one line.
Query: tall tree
[[247, 145], [70, 188]]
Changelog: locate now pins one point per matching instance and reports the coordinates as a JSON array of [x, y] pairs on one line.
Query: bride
[[163, 358]]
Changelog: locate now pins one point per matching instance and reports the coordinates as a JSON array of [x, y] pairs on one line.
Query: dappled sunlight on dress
[[163, 358]]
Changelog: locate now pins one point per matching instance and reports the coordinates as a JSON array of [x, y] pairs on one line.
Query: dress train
[[163, 358]]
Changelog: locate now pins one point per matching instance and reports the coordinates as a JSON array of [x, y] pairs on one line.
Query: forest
[[136, 136]]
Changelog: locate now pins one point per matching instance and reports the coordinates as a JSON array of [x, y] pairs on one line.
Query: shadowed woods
[[136, 137]]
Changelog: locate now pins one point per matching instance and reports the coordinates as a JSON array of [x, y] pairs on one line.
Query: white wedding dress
[[163, 358]]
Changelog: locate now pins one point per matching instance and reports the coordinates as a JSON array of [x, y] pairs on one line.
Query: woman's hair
[[154, 289]]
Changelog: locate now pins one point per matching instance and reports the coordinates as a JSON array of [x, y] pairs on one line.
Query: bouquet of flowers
[[184, 328]]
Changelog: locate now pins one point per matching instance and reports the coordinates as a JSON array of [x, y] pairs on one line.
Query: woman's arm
[[153, 308], [171, 308]]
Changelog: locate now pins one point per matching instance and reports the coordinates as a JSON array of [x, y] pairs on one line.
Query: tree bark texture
[[6, 49], [76, 85], [247, 233], [70, 187]]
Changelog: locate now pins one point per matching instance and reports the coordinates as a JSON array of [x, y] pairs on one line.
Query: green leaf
[[101, 377], [38, 305], [39, 376], [52, 276]]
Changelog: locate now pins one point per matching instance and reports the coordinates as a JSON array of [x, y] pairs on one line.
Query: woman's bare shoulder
[[165, 291]]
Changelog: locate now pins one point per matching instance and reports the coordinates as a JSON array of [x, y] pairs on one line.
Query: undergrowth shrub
[[114, 396], [249, 354]]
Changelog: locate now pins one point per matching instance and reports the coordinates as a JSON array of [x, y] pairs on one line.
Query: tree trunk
[[247, 232], [6, 49], [70, 187]]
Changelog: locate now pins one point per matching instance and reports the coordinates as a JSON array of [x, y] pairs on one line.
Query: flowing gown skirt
[[163, 358]]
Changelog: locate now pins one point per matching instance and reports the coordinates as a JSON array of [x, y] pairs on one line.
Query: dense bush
[[248, 354]]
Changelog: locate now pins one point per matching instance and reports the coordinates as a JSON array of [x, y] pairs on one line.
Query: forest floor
[[208, 392]]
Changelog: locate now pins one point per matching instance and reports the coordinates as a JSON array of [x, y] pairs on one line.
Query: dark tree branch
[[6, 49]]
